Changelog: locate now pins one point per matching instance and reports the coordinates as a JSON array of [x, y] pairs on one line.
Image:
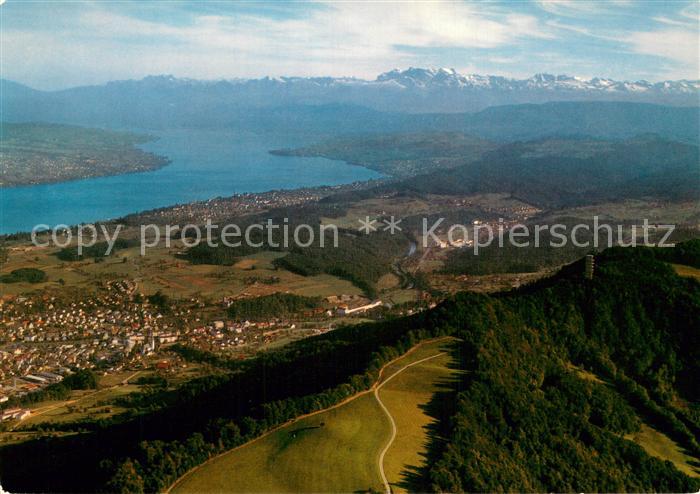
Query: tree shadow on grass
[[440, 408]]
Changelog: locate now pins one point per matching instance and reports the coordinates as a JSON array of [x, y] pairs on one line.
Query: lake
[[205, 164]]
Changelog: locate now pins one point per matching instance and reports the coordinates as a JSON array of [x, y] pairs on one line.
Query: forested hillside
[[557, 374], [560, 371], [551, 172], [400, 155]]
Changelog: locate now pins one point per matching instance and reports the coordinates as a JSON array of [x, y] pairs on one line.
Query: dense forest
[[511, 259], [360, 259], [96, 251], [546, 173], [558, 372], [271, 306], [400, 155], [553, 172]]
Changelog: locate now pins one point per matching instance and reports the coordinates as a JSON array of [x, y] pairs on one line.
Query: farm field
[[161, 269], [336, 450]]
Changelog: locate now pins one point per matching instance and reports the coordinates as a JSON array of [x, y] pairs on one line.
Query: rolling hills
[[558, 374], [552, 172], [35, 153]]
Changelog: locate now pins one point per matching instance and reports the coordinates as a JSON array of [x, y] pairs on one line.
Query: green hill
[[527, 421], [337, 450], [332, 451], [43, 153], [551, 172], [557, 376]]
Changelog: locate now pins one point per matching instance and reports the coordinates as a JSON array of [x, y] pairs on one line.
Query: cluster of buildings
[[14, 414], [222, 335], [346, 310], [220, 209], [43, 337]]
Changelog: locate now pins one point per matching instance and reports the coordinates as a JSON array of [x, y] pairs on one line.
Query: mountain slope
[[165, 100], [524, 419], [550, 172], [556, 173], [606, 120], [529, 418]]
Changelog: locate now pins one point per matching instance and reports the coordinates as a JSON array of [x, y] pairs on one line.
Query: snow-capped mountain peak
[[440, 78], [414, 89]]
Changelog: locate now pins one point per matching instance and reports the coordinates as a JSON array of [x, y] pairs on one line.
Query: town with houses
[[116, 328], [223, 208], [46, 337]]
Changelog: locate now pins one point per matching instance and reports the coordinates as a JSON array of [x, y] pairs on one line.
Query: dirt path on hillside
[[387, 487], [378, 383]]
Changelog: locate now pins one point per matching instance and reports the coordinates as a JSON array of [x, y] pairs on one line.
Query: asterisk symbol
[[367, 225], [392, 225]]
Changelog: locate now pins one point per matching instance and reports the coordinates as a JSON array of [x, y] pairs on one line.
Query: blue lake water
[[205, 164]]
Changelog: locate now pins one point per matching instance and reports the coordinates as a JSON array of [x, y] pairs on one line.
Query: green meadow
[[337, 450]]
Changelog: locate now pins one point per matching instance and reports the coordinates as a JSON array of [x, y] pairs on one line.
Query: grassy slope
[[687, 271], [658, 444], [655, 443], [305, 456], [341, 455], [405, 396]]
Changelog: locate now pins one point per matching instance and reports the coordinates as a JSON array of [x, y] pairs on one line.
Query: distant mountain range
[[398, 101], [414, 90], [449, 78]]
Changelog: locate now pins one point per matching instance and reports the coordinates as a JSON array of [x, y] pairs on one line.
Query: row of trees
[[96, 251], [26, 275]]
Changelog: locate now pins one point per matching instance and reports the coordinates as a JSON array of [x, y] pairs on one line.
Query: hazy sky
[[56, 44]]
